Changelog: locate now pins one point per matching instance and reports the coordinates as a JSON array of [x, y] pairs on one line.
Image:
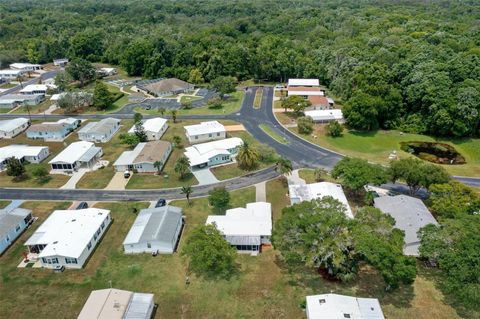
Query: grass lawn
[[257, 102], [111, 151], [231, 105], [277, 194], [376, 146], [309, 176], [277, 137], [4, 203], [232, 170], [7, 85], [34, 109]]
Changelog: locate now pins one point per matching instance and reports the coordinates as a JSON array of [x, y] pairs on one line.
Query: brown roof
[[53, 127], [152, 152], [168, 85], [303, 88], [318, 100]]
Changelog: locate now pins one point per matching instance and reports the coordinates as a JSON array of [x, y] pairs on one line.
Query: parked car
[[160, 203], [82, 205], [126, 174]]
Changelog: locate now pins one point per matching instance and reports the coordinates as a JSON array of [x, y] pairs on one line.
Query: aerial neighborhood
[[179, 159]]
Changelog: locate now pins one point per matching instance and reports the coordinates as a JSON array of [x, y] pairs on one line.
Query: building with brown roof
[[318, 102], [143, 157], [164, 87]]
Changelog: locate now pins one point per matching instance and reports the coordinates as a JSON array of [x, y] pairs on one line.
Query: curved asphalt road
[[43, 76]]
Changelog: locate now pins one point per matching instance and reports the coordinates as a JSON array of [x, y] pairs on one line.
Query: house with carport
[[143, 157], [205, 131], [75, 156], [154, 128], [155, 230], [12, 127], [213, 153], [247, 229], [68, 237], [12, 224], [99, 132]]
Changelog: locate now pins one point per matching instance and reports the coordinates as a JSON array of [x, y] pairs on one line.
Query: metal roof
[[101, 127], [140, 306], [9, 219], [91, 153], [333, 306], [12, 124]]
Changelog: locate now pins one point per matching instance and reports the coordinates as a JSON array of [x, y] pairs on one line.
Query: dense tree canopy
[[355, 173], [396, 64]]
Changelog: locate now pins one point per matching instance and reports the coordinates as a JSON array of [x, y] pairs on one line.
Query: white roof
[[201, 153], [34, 87], [333, 306], [101, 127], [108, 70], [128, 157], [204, 128], [67, 232], [300, 193], [73, 152], [325, 115], [22, 65], [68, 120], [303, 82], [8, 71], [20, 151], [10, 125], [254, 220], [154, 125], [302, 93]]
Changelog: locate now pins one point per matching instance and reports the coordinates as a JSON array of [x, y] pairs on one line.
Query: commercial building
[[142, 159], [163, 87], [213, 153], [246, 229], [154, 128], [68, 237], [333, 306], [12, 224], [13, 127], [155, 230], [76, 155], [99, 132], [205, 131], [410, 215], [24, 153]]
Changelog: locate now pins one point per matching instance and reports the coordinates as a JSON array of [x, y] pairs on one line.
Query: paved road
[[44, 76], [133, 195]]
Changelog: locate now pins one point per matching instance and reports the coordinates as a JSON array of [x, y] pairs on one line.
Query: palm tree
[[187, 190], [161, 111], [19, 79], [284, 166], [319, 173], [247, 156], [182, 166], [158, 165], [174, 115], [177, 140]]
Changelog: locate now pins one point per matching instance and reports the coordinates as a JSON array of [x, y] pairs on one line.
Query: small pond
[[439, 153]]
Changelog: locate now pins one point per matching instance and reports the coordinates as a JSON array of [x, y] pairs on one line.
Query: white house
[[24, 153], [304, 82], [99, 132], [13, 127], [12, 224], [68, 237], [32, 89], [410, 215], [308, 192], [144, 156], [205, 131], [155, 230], [10, 101], [333, 306], [213, 153], [325, 116], [106, 71], [117, 304], [60, 62], [76, 155], [154, 128], [25, 66], [247, 229], [11, 74]]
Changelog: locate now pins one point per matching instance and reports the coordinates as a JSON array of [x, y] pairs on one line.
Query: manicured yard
[[4, 203], [277, 195], [257, 102], [376, 146], [34, 109], [277, 137], [309, 176], [231, 105]]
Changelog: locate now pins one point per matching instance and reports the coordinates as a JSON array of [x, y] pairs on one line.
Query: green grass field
[[4, 203], [257, 102], [277, 137]]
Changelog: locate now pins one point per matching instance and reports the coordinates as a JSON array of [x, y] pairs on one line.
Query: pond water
[[439, 153]]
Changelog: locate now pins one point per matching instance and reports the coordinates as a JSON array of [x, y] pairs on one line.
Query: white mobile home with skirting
[[99, 132], [13, 127], [205, 131], [154, 128]]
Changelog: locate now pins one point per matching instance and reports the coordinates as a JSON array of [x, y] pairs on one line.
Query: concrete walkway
[[118, 182], [295, 179], [204, 176], [52, 108], [72, 182], [261, 192], [14, 204]]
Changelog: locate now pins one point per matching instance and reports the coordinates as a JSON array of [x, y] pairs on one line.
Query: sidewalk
[[72, 182], [118, 182], [260, 192]]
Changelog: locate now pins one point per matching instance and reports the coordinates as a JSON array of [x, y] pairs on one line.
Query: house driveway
[[204, 176], [118, 182], [72, 182]]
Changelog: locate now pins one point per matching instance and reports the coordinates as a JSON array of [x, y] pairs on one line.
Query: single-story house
[[106, 71], [24, 153], [247, 229], [410, 215], [333, 306], [326, 116], [10, 101], [155, 230], [53, 131], [144, 156], [205, 131], [318, 103], [68, 237], [32, 89], [154, 128], [11, 74], [25, 66], [163, 87], [99, 132], [308, 192], [304, 82], [13, 127], [117, 304], [213, 153], [305, 91], [12, 224], [76, 155], [60, 62]]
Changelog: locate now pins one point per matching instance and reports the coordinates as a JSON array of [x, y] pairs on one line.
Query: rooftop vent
[[346, 315], [322, 301], [116, 305]]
